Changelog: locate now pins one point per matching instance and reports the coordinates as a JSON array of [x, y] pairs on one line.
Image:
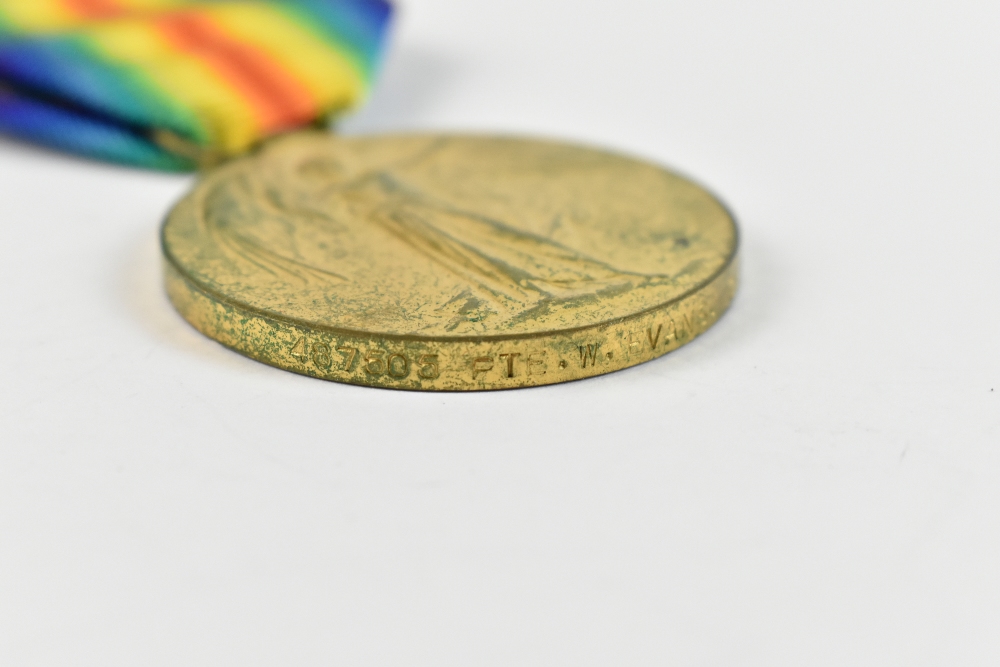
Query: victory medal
[[449, 263]]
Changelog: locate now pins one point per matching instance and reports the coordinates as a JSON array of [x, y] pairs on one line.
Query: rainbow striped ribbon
[[177, 84]]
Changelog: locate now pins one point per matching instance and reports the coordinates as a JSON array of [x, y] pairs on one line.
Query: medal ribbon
[[179, 84]]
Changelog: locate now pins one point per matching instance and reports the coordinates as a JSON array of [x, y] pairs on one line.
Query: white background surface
[[816, 481]]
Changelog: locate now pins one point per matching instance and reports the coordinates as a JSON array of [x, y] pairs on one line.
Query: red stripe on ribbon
[[95, 9], [279, 101]]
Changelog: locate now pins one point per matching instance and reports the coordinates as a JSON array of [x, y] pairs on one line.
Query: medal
[[448, 262], [420, 262]]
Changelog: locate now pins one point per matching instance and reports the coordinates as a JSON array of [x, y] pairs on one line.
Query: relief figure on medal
[[303, 230], [233, 210]]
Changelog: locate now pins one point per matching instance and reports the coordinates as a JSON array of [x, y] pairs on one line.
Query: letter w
[[588, 353]]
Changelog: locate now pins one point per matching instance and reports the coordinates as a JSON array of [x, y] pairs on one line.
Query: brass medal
[[450, 263]]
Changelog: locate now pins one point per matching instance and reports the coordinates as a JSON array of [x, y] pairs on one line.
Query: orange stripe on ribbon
[[94, 9], [278, 100]]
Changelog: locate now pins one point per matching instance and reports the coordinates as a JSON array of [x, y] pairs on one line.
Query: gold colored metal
[[449, 263]]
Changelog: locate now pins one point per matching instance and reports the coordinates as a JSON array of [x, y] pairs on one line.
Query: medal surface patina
[[440, 262]]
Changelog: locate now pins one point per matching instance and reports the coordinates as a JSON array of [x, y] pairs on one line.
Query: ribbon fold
[[181, 84]]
